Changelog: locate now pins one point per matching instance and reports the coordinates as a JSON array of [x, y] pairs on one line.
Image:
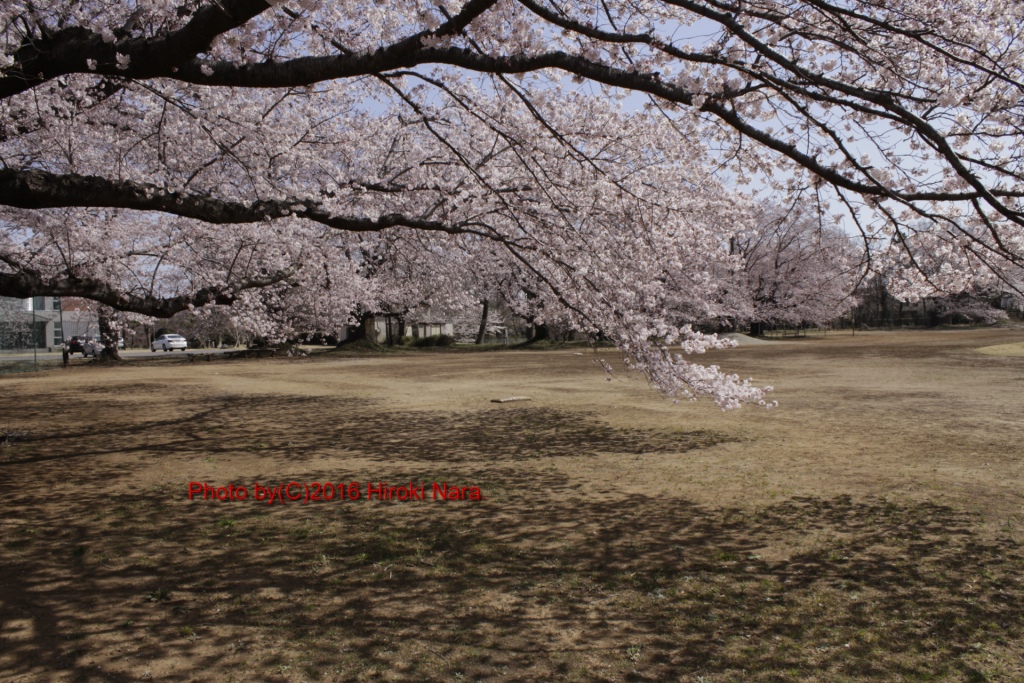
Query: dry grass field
[[870, 528]]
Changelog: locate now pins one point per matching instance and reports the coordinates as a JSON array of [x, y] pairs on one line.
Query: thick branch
[[44, 190], [309, 70], [69, 50], [22, 285]]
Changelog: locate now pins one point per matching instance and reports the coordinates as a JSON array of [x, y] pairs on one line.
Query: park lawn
[[869, 528], [1016, 349]]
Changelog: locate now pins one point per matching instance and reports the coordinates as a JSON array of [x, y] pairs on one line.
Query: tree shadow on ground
[[308, 428], [543, 580]]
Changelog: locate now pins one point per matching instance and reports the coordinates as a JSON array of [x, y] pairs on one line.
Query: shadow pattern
[[544, 580]]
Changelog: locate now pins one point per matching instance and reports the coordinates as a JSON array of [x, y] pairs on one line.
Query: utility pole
[[35, 346], [60, 310], [65, 356]]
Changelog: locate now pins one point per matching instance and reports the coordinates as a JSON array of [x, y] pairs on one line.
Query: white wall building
[[384, 329], [39, 322]]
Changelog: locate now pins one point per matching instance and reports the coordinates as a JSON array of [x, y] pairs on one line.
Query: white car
[[169, 342], [93, 347]]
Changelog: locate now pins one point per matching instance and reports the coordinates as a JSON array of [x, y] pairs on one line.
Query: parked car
[[169, 342], [77, 345], [93, 347], [120, 341]]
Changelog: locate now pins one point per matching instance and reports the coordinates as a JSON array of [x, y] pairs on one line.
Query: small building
[[423, 330], [389, 329]]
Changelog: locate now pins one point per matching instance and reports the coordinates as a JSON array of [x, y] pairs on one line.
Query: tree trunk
[[756, 329], [540, 333], [364, 327], [109, 333], [356, 332], [483, 322]]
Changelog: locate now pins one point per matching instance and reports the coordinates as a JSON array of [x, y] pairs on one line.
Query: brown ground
[[870, 528]]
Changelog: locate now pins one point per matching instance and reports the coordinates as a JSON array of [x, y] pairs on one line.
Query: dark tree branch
[[309, 70], [68, 51], [24, 284], [172, 56], [44, 190]]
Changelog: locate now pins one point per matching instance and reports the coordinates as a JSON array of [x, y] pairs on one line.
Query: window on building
[[58, 334], [39, 303], [56, 303]]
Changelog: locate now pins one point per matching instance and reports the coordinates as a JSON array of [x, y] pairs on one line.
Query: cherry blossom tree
[[973, 306], [797, 270], [158, 156], [15, 325]]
